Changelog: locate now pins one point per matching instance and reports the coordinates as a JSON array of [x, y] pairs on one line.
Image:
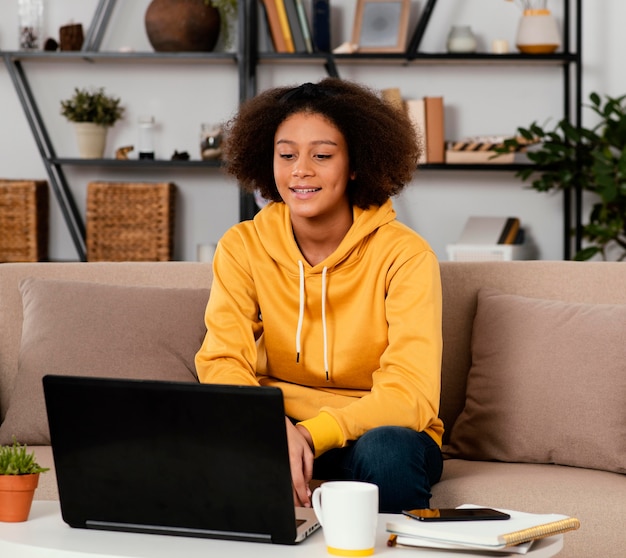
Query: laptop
[[173, 458]]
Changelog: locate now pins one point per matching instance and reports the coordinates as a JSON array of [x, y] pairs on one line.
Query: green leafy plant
[[228, 12], [15, 460], [92, 106], [592, 159]]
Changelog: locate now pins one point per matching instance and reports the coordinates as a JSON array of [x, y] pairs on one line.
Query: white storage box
[[487, 252]]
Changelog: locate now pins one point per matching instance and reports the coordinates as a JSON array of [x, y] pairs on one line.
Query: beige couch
[[544, 380]]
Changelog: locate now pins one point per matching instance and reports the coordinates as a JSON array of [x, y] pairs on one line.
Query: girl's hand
[[301, 462]]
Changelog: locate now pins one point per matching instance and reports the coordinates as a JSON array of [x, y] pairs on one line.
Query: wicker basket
[[130, 221], [23, 220]]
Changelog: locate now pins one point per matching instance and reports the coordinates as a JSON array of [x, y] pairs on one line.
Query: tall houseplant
[[593, 159], [92, 112], [19, 476]]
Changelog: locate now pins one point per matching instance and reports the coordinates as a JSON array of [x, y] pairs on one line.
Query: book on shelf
[[284, 24], [293, 19], [321, 25], [265, 43], [304, 25], [435, 131], [273, 21], [491, 230], [493, 536], [416, 111], [420, 29]]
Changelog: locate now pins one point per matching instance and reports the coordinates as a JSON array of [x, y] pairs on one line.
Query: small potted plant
[[19, 476], [92, 112]]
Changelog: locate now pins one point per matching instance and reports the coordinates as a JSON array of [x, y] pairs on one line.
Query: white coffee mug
[[348, 513]]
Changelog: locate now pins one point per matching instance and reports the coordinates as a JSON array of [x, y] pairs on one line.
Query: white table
[[45, 535]]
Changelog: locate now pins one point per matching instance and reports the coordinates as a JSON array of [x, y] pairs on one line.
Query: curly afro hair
[[382, 143]]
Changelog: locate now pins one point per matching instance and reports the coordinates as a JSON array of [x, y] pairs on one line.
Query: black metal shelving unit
[[568, 60], [15, 60], [248, 60]]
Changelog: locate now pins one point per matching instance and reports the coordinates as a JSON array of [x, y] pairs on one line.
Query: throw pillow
[[547, 384], [90, 329]]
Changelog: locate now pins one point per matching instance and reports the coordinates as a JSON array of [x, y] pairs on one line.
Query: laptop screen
[[180, 458]]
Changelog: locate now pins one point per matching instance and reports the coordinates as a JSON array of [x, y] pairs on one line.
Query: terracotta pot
[[182, 25], [91, 139], [16, 496]]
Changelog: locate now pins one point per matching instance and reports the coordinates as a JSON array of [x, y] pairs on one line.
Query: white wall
[[479, 100]]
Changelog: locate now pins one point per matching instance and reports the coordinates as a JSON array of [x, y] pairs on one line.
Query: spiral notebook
[[481, 535]]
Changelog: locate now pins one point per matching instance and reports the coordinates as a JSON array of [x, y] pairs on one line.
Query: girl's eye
[[322, 156], [287, 156]]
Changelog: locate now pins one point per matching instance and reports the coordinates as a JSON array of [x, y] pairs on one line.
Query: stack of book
[[288, 25], [512, 536], [427, 116]]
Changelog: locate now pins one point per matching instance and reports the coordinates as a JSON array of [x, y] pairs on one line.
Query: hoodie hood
[[283, 249], [282, 246]]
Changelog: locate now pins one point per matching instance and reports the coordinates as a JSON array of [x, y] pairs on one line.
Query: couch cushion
[[92, 329], [547, 384]]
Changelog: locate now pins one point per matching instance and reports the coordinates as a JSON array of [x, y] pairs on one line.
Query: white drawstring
[[324, 321], [301, 313], [301, 317]]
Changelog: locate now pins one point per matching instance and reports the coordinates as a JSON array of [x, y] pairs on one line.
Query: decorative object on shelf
[[19, 476], [381, 25], [30, 16], [24, 218], [146, 137], [591, 159], [180, 156], [50, 45], [461, 39], [122, 152], [537, 31], [92, 112], [189, 25], [500, 46], [71, 36], [130, 221], [211, 141], [205, 252]]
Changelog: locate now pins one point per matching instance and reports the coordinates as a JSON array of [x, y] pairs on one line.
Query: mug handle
[[316, 500]]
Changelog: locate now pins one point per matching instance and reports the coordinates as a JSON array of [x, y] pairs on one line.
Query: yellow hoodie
[[353, 342]]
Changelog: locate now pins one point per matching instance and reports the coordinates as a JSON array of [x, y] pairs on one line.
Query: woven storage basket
[[23, 220], [130, 221]]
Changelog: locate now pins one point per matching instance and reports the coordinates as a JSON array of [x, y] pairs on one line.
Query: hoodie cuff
[[325, 432]]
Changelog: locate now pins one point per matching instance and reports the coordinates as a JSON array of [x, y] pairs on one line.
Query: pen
[[392, 540]]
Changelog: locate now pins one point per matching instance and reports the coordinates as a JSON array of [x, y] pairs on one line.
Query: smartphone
[[456, 514]]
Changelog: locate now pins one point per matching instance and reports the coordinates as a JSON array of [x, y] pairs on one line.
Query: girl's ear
[[352, 175]]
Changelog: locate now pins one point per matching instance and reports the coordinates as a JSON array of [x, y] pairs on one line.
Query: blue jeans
[[403, 463]]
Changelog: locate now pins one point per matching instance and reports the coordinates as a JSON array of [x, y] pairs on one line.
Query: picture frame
[[381, 25]]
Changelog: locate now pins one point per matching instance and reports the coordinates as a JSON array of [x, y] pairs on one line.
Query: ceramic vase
[[537, 33], [461, 39], [91, 139], [182, 25], [16, 496]]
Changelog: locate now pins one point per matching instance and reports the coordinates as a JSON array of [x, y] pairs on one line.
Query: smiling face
[[312, 168]]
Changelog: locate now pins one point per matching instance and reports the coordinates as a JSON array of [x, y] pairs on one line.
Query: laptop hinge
[[179, 531]]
